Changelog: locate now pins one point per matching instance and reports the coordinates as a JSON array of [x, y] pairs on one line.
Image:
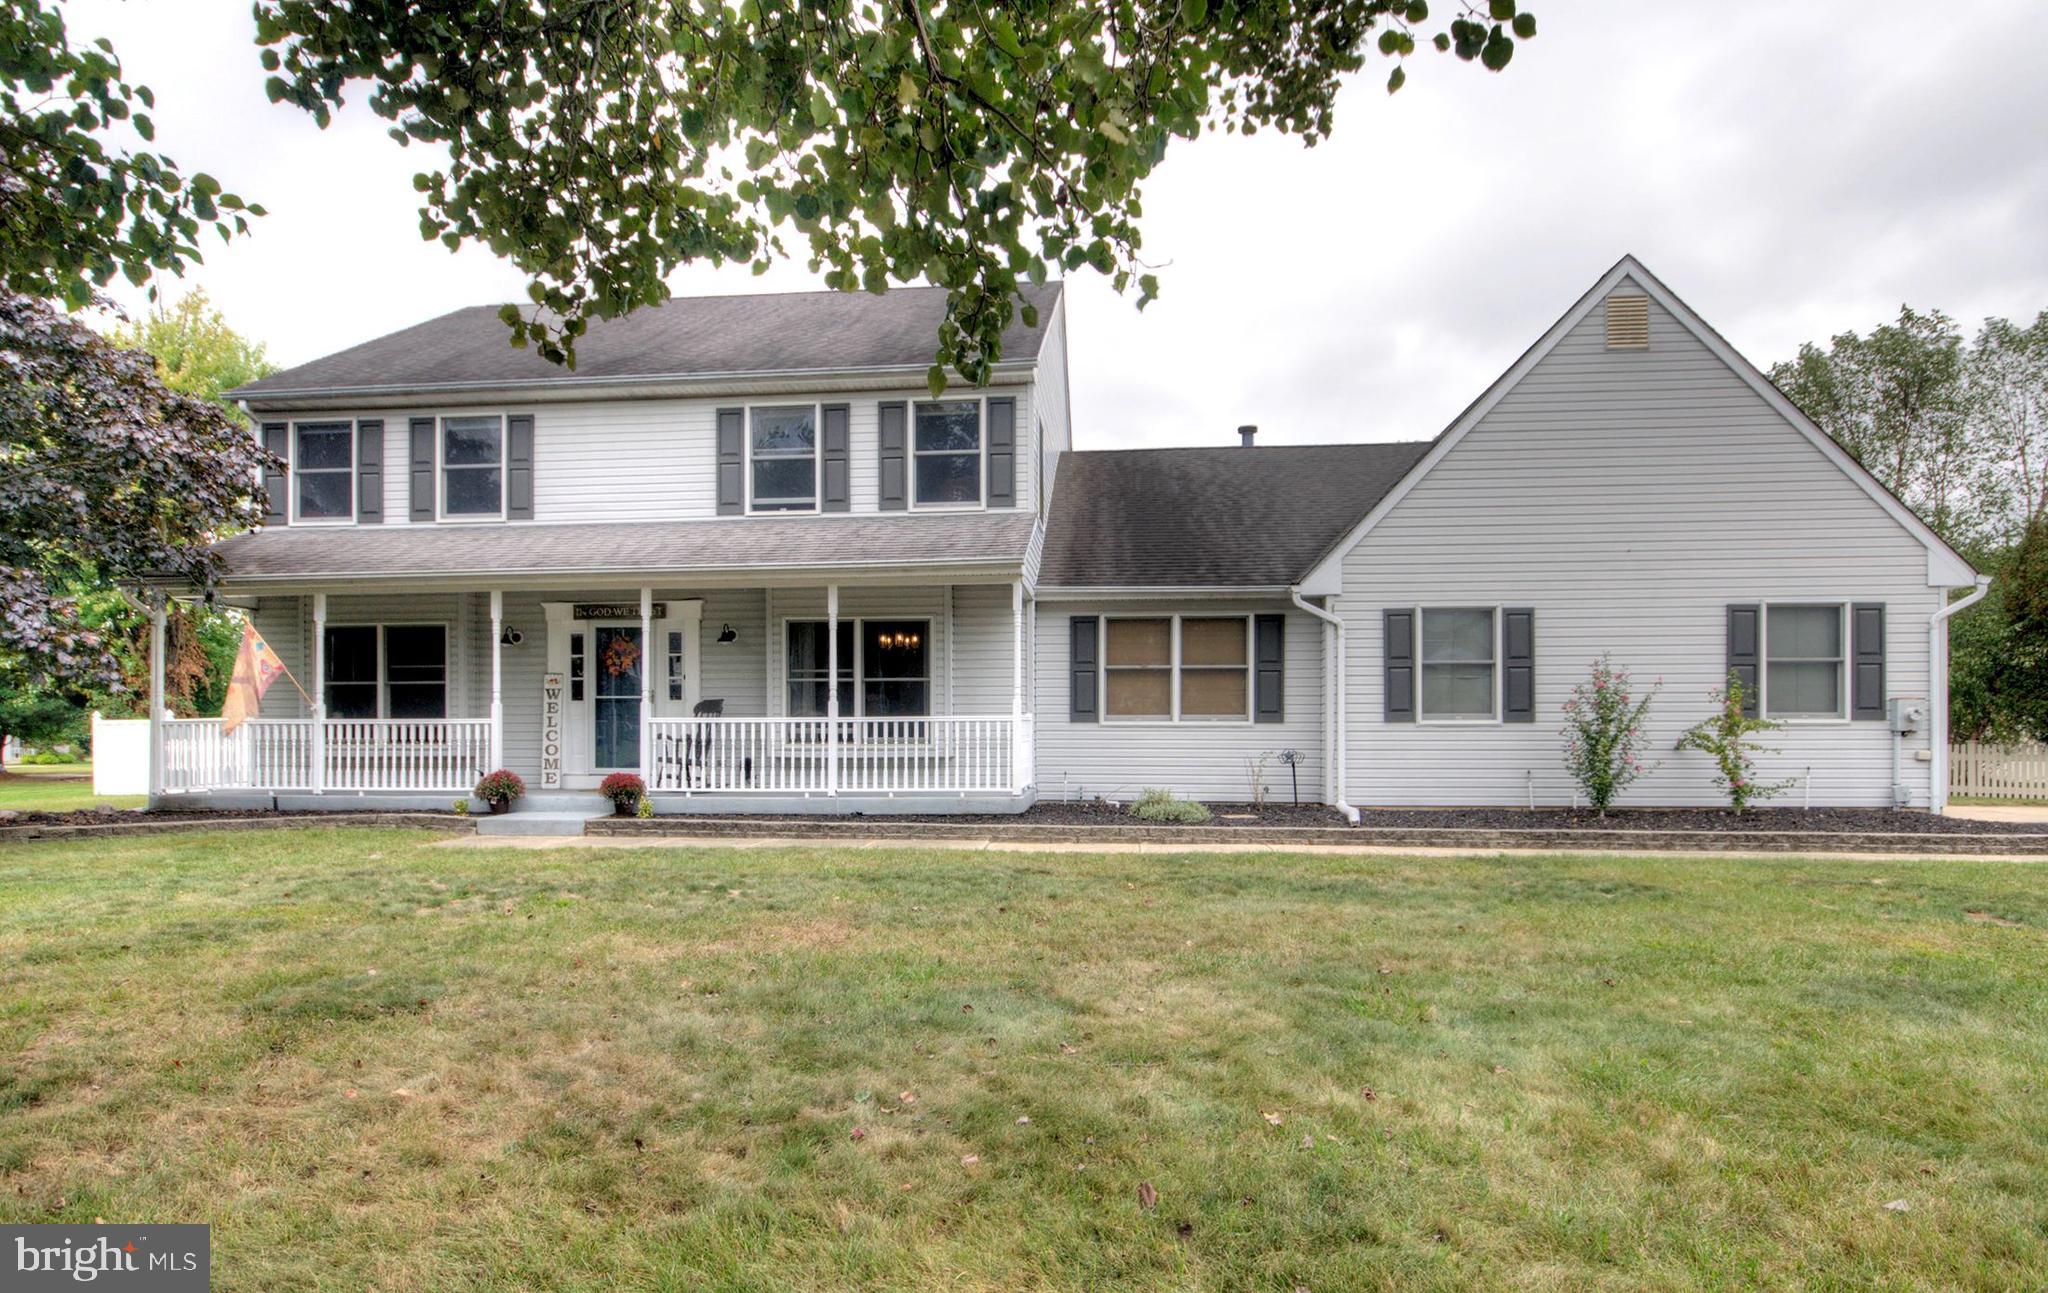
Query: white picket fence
[[1998, 771]]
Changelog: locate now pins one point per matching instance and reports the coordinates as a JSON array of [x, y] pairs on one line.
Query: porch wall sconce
[[511, 637], [726, 634]]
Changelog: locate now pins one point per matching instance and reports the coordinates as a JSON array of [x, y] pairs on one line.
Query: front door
[[618, 662]]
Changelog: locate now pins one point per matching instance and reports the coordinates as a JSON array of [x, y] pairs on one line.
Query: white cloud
[[1792, 170]]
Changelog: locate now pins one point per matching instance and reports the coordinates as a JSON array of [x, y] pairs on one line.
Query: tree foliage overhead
[[73, 211], [599, 145], [90, 443]]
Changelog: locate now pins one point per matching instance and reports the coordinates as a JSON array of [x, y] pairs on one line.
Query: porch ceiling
[[743, 547]]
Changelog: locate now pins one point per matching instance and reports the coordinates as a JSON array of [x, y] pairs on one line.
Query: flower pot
[[622, 808], [499, 806]]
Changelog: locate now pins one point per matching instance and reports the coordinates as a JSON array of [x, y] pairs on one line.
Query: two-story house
[[741, 551]]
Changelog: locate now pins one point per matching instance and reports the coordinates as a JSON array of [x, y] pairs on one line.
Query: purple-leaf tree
[[106, 474]]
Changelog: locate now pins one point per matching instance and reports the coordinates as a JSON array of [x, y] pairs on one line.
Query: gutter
[[1937, 720], [1333, 675]]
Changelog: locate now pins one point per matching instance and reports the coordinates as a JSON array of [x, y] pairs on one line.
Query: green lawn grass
[[56, 788], [375, 1063]]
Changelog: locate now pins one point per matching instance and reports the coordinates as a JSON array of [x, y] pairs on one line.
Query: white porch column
[[1018, 755], [497, 679], [318, 776], [646, 686], [832, 689], [157, 637]]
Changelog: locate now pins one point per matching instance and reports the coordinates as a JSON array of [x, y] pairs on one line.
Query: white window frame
[[355, 431], [1174, 669], [1492, 719], [1763, 664], [448, 652], [441, 511], [817, 461], [911, 453], [859, 679]]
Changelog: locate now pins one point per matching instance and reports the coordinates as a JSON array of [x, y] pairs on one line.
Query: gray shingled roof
[[376, 551], [698, 336], [1203, 518]]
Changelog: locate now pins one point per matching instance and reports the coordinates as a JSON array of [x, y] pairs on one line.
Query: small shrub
[[502, 784], [1726, 736], [646, 808], [461, 808], [1603, 734], [623, 789], [50, 758], [1157, 805]]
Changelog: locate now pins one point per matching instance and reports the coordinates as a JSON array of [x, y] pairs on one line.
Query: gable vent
[[1628, 323]]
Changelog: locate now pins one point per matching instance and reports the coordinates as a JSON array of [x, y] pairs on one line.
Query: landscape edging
[[143, 825], [1790, 842]]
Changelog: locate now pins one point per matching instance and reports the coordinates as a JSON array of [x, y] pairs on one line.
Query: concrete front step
[[535, 823]]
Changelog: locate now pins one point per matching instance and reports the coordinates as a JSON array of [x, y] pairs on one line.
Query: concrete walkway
[[1062, 846], [2037, 813]]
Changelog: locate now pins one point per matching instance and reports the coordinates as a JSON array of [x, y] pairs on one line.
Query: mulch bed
[[1772, 821]]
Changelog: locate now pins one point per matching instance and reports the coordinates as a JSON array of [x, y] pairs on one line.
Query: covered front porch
[[854, 696]]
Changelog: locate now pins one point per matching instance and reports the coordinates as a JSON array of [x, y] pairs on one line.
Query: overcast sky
[[1792, 170]]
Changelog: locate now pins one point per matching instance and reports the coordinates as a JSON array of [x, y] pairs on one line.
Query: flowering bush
[[1726, 736], [1603, 733], [502, 784], [623, 789]]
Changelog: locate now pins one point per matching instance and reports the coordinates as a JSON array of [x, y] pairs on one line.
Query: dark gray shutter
[[1002, 453], [422, 469], [519, 467], [1867, 680], [1518, 666], [836, 491], [1269, 664], [1399, 648], [1744, 623], [1082, 636], [892, 440], [732, 461], [277, 479], [370, 472]]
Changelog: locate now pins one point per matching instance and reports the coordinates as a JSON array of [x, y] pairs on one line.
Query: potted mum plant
[[500, 788], [625, 791]]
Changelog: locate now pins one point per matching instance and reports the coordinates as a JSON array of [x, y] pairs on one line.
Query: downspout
[[1333, 718], [1937, 717]]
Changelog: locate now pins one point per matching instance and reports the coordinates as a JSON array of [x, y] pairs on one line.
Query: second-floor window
[[473, 466], [782, 444], [946, 449], [324, 471]]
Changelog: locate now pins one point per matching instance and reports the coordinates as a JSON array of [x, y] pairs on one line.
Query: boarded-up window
[[1138, 669]]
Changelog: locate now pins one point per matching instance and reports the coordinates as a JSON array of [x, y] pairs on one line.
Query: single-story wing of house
[[742, 553]]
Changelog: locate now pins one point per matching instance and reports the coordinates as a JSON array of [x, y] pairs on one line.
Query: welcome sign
[[551, 731]]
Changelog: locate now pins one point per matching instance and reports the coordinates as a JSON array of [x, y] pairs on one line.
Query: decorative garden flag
[[256, 667]]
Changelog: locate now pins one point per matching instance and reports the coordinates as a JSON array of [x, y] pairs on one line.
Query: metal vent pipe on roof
[[1245, 435]]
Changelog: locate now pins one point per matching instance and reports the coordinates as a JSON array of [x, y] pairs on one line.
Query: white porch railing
[[445, 755], [938, 755]]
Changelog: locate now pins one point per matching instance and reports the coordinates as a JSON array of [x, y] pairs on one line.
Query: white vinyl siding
[[1205, 760], [655, 459], [1629, 497]]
